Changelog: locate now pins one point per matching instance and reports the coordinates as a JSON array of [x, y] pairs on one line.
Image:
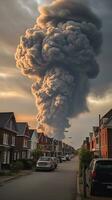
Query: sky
[[15, 93]]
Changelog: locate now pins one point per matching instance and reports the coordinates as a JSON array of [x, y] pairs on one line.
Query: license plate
[[109, 187]]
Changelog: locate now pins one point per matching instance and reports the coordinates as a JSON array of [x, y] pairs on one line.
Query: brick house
[[8, 132], [56, 147], [86, 143], [94, 141], [34, 138], [46, 144], [22, 141], [60, 147], [106, 135]]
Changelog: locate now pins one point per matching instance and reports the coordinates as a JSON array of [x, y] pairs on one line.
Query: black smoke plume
[[59, 54]]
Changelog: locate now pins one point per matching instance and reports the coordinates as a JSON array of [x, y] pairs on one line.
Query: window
[[5, 138], [105, 165], [11, 124], [97, 140], [4, 157], [23, 155], [8, 157], [25, 143], [13, 140], [15, 156], [18, 156]]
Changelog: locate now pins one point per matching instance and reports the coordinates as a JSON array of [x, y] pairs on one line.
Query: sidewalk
[[4, 179], [78, 197]]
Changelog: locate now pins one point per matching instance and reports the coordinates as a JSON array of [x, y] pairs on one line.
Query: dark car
[[99, 176]]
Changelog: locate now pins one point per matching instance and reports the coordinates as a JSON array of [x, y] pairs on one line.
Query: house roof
[[21, 128], [31, 131], [4, 117], [108, 114]]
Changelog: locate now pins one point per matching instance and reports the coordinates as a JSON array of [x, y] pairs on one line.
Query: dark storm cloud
[[14, 82], [15, 16], [6, 60], [16, 105], [102, 4], [103, 83]]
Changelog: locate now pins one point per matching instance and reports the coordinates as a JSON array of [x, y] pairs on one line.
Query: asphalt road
[[56, 185]]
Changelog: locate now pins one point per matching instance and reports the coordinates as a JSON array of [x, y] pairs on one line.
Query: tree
[[37, 153], [85, 158]]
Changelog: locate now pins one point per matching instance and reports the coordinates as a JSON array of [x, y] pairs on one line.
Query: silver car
[[45, 163], [55, 160]]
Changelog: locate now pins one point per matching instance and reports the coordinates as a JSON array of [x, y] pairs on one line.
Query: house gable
[[11, 123], [106, 119], [108, 114], [7, 121], [23, 129], [109, 124]]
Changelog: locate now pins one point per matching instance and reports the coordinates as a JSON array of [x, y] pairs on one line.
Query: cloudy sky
[[15, 94]]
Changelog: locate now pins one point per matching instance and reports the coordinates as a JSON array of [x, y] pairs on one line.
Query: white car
[[63, 158], [67, 157], [55, 160], [45, 163]]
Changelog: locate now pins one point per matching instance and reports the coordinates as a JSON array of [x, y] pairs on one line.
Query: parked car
[[45, 163], [55, 160], [99, 176], [68, 157], [60, 158], [63, 158]]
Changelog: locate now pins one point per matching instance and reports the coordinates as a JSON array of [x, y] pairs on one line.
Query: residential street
[[60, 184]]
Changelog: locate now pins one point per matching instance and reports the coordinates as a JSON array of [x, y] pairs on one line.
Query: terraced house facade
[[8, 132], [17, 141]]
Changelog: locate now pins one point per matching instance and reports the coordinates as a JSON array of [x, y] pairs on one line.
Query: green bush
[[85, 158], [37, 153], [28, 164], [2, 173], [17, 166], [5, 173]]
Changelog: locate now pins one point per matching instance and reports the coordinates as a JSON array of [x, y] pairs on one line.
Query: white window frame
[[23, 155], [5, 157], [25, 143], [13, 140], [5, 138], [15, 156], [18, 155], [8, 157]]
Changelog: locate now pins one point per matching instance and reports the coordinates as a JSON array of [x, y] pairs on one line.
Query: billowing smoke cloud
[[59, 54]]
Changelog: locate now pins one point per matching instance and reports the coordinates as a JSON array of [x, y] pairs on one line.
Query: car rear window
[[44, 159], [104, 165]]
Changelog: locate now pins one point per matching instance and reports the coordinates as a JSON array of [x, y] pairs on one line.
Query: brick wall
[[104, 142]]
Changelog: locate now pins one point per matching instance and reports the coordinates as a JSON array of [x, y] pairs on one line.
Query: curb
[[78, 189], [14, 177]]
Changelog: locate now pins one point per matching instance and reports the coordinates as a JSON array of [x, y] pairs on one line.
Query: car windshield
[[104, 165], [44, 159]]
